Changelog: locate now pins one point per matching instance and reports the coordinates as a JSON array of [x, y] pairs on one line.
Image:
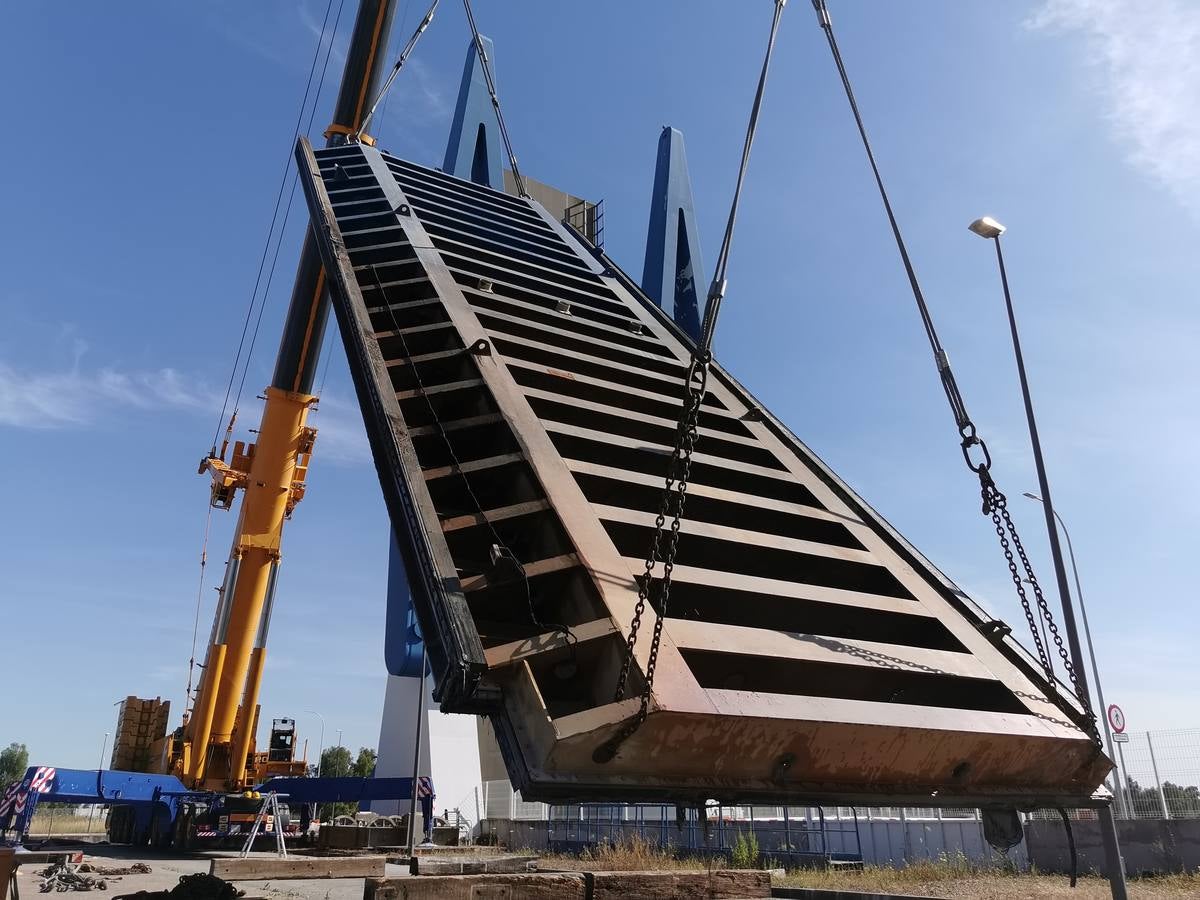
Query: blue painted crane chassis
[[157, 810]]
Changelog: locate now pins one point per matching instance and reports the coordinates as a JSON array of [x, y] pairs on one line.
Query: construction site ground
[[167, 868], [985, 886], [924, 880], [950, 879]]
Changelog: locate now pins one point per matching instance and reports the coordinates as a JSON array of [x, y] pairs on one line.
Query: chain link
[[994, 502], [995, 505], [674, 496]]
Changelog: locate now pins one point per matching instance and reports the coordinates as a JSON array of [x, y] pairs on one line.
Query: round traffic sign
[[1116, 718]]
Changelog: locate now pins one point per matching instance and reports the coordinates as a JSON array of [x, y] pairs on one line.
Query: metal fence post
[[1133, 813], [1162, 798]]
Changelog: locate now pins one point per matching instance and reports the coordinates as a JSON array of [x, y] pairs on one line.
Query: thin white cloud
[[79, 397], [1147, 57], [76, 396]]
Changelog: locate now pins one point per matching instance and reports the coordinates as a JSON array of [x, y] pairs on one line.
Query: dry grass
[[627, 855], [956, 878], [58, 821], [952, 877]]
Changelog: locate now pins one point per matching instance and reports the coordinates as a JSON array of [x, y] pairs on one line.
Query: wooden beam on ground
[[275, 868], [721, 884]]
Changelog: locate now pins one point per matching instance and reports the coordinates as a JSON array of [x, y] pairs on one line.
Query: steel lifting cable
[[255, 293], [187, 694], [486, 64], [995, 504], [274, 218], [400, 61], [288, 211], [674, 492]]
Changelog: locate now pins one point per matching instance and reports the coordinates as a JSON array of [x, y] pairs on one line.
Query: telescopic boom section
[[218, 744]]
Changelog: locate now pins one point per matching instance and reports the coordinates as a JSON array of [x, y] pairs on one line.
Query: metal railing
[[587, 219], [791, 835]]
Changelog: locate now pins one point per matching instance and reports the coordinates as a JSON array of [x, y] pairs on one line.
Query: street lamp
[[321, 744], [989, 229], [1087, 633]]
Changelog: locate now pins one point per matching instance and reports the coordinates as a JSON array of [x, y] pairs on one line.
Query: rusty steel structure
[[521, 395]]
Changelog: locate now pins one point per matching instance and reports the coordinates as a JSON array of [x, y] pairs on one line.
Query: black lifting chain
[[673, 498], [995, 504], [680, 466]]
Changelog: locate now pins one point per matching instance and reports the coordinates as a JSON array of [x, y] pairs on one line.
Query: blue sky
[[146, 145]]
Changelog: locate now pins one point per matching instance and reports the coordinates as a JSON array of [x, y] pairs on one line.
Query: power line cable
[[288, 210]]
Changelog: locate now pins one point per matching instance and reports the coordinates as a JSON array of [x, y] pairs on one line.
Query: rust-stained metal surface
[[519, 391]]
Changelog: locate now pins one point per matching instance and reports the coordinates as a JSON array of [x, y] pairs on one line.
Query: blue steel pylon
[[673, 269], [473, 151]]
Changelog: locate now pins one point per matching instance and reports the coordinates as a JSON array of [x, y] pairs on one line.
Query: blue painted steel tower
[[673, 274], [473, 151], [403, 650]]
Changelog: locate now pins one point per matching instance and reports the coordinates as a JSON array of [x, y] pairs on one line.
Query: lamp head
[[987, 227], [1032, 496]]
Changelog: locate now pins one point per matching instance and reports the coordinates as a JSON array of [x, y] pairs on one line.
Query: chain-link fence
[[1159, 775]]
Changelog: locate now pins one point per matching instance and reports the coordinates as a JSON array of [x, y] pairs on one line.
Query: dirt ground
[[997, 887], [167, 869], [930, 883]]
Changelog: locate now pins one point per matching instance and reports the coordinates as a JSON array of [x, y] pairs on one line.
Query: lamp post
[[989, 229], [321, 743], [1087, 633], [103, 747]]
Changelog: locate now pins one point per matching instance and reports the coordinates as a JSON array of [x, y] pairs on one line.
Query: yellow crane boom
[[215, 748]]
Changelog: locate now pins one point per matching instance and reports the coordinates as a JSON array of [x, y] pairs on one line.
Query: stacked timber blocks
[[139, 724]]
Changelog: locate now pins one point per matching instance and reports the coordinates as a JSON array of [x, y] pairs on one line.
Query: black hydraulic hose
[[1071, 845]]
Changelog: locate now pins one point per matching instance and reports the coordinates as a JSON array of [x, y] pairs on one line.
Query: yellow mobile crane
[[214, 748]]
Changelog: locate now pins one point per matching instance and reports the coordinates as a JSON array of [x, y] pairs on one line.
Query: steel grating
[[513, 380]]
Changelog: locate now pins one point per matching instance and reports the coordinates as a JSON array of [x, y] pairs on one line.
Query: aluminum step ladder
[[269, 814]]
